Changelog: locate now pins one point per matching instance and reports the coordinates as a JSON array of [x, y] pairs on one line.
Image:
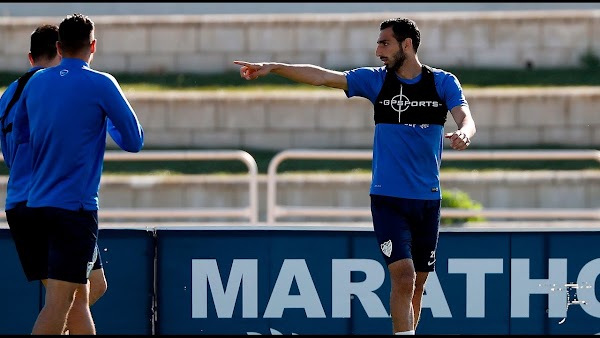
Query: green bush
[[454, 198], [589, 60]]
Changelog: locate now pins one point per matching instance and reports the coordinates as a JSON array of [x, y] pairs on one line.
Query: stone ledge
[[205, 43]]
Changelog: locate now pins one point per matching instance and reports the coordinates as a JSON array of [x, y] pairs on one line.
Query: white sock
[[411, 332]]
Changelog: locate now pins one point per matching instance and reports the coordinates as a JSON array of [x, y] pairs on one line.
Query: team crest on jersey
[[386, 248]]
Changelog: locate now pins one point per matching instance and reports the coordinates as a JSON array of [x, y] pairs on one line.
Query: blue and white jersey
[[409, 118]]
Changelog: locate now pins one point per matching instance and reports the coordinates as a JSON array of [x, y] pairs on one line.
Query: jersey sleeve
[[450, 90], [365, 82], [123, 125]]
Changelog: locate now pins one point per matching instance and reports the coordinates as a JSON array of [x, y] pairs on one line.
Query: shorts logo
[[386, 248], [90, 265], [431, 259]]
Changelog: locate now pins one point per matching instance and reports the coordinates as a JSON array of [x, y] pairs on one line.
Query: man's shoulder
[[40, 73], [439, 71], [442, 76], [9, 90], [100, 75], [367, 71]]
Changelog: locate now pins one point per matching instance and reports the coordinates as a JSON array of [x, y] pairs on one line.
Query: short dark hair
[[404, 28], [43, 42], [75, 33]]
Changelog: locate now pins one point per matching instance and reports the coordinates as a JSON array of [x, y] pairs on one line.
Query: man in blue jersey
[[65, 113], [411, 101], [30, 237]]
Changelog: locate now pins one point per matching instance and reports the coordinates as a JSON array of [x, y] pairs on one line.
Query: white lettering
[[308, 297], [521, 287], [243, 278], [342, 287], [475, 271], [434, 298], [587, 277], [243, 272]]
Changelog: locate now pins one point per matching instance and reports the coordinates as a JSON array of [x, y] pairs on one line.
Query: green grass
[[469, 78]]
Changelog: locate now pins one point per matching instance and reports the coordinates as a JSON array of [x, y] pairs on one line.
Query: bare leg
[[418, 296], [59, 299], [98, 285], [77, 319], [402, 277]]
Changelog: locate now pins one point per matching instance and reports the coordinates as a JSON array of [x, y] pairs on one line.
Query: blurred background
[[530, 72], [223, 151], [187, 8]]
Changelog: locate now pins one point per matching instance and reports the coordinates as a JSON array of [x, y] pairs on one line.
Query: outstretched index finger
[[242, 63]]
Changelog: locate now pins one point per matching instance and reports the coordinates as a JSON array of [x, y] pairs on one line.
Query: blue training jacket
[[17, 158], [65, 117]]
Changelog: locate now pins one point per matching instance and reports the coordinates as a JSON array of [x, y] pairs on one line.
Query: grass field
[[469, 78]]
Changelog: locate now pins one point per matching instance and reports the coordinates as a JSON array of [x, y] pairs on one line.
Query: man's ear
[[59, 49], [93, 46], [408, 42], [30, 59]]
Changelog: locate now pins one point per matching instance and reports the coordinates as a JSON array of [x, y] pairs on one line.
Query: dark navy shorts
[[407, 228], [56, 243], [31, 241]]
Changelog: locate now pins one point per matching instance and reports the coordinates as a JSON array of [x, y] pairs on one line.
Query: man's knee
[[98, 285]]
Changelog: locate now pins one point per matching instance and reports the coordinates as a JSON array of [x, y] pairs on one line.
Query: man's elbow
[[134, 148]]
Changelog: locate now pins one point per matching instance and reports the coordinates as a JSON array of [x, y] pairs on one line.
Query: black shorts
[[407, 228], [31, 241], [71, 248]]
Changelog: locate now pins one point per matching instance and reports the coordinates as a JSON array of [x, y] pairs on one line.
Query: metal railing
[[250, 212], [275, 211]]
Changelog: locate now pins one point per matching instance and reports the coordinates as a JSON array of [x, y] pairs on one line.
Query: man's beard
[[399, 59]]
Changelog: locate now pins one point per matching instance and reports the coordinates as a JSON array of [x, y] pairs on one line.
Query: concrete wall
[[539, 189], [327, 119], [157, 8], [209, 43]]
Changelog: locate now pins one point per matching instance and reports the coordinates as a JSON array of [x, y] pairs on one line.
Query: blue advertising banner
[[128, 260], [20, 299], [260, 280], [334, 282], [125, 308]]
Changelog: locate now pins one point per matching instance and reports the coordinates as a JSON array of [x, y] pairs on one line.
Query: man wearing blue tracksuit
[[30, 237], [65, 122]]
